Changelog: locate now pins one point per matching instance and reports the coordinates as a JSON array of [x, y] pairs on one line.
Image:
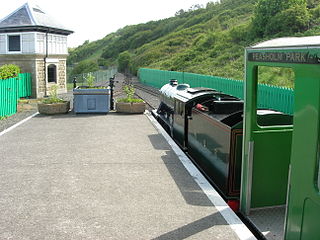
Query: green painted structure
[[281, 163], [11, 90], [282, 98]]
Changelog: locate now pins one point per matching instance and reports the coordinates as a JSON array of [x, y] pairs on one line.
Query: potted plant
[[90, 98], [53, 104], [130, 104]]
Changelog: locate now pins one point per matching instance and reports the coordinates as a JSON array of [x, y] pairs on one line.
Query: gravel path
[[10, 121]]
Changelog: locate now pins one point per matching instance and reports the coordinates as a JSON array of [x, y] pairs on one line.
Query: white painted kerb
[[17, 124], [232, 219]]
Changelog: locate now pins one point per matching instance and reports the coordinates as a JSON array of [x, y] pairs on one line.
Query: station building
[[33, 40]]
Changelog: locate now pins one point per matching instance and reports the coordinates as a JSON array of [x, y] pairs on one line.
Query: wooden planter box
[[131, 107], [54, 108]]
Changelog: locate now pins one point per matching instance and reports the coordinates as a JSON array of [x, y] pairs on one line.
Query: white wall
[[27, 41], [57, 44], [35, 43], [3, 43]]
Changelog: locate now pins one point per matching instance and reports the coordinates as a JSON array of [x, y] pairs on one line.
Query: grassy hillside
[[208, 40]]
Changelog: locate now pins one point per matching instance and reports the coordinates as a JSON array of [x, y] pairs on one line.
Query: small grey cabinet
[[90, 100]]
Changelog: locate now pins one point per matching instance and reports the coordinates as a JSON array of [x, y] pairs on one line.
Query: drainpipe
[[45, 67]]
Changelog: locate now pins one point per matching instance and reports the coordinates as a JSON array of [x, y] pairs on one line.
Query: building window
[[14, 44], [52, 73]]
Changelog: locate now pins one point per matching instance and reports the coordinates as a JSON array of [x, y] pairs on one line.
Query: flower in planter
[[53, 104], [130, 104], [90, 80], [53, 98], [129, 91]]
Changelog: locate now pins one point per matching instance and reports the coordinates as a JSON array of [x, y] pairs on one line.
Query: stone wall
[[40, 76], [62, 75], [35, 64]]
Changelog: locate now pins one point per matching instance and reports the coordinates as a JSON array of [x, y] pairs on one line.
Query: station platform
[[110, 176]]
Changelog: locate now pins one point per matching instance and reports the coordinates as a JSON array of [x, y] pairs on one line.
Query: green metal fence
[[11, 90], [100, 76], [269, 97], [24, 85], [8, 97]]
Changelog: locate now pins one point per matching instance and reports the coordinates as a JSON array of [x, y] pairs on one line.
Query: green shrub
[[90, 80], [132, 100], [9, 71], [129, 91], [53, 98]]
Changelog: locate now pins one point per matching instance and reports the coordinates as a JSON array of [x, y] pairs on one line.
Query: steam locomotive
[[208, 126]]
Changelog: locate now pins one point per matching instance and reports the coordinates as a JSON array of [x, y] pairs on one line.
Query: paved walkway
[[99, 177]]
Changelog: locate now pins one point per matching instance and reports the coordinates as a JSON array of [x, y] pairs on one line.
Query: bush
[[9, 71], [289, 21]]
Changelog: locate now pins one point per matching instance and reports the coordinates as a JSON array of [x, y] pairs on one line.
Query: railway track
[[149, 94], [150, 90]]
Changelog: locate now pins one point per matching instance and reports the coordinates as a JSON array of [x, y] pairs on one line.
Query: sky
[[92, 20]]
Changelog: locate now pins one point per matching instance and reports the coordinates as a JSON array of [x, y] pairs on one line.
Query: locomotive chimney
[[173, 82]]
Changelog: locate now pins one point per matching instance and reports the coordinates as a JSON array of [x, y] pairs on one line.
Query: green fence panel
[[11, 90], [8, 96], [24, 85], [269, 97]]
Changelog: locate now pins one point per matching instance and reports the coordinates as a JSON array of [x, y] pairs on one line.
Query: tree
[[313, 3], [289, 21], [263, 22], [179, 13], [124, 62], [85, 66]]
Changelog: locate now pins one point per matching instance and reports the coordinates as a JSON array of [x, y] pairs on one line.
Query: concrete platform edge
[[232, 219]]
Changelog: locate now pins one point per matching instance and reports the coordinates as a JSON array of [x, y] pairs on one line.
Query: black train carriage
[[208, 125], [215, 143]]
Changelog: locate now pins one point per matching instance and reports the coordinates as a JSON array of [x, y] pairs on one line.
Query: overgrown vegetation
[[85, 66], [208, 40], [9, 71]]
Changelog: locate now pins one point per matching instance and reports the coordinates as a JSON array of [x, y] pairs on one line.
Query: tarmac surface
[[110, 176]]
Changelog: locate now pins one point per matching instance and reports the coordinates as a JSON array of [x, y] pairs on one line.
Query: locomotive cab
[[215, 134], [183, 102], [280, 163]]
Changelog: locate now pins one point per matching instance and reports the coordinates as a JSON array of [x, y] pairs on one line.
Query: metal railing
[[99, 76]]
